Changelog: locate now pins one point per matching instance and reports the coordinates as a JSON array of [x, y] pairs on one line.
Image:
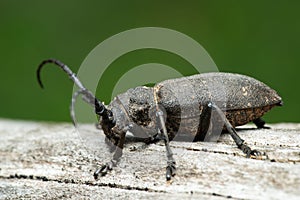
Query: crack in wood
[[110, 185], [72, 181]]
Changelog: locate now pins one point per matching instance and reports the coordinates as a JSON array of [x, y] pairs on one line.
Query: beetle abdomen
[[243, 116]]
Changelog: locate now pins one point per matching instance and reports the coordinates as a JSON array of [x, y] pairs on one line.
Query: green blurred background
[[256, 38]]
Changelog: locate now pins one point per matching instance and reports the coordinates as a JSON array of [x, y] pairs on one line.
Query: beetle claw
[[103, 170], [255, 154]]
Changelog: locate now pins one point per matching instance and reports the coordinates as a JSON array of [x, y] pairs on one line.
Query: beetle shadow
[[129, 139], [246, 129], [132, 139]]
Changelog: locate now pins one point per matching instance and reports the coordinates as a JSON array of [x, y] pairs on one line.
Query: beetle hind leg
[[237, 139]]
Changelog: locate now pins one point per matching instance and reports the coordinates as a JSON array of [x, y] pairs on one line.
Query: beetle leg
[[260, 123], [171, 168], [204, 124], [237, 139], [113, 162]]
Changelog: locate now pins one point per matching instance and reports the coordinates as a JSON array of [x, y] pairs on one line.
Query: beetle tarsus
[[249, 152], [103, 170], [170, 170]]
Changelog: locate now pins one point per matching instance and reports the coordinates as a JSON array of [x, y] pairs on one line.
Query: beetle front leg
[[237, 139], [171, 164], [113, 162]]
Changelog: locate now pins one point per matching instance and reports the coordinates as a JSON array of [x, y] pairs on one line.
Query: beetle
[[189, 106]]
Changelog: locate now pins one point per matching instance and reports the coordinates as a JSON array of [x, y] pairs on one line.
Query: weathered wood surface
[[47, 160]]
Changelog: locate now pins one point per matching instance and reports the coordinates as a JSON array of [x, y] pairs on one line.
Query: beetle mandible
[[245, 100]]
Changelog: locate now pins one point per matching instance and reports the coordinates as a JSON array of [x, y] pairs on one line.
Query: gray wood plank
[[54, 160]]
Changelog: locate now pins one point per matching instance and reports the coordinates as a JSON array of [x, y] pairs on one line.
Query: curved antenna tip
[[40, 83], [38, 72]]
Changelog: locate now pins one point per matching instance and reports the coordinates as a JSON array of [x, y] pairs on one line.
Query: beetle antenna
[[63, 67], [88, 96]]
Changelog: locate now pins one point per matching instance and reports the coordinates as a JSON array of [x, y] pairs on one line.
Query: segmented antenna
[[87, 96]]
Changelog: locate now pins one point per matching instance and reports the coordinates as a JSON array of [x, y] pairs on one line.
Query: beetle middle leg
[[171, 168], [237, 139]]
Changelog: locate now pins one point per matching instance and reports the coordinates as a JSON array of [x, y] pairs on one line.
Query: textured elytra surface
[[229, 91]]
